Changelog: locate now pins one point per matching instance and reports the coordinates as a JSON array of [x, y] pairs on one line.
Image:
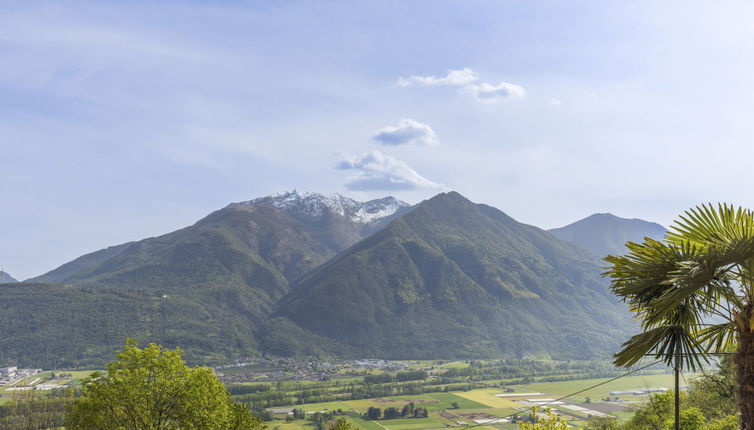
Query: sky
[[125, 120]]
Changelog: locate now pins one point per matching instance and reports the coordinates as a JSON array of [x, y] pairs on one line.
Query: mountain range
[[6, 278], [606, 234], [307, 274]]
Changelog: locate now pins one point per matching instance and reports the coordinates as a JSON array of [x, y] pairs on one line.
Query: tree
[[30, 411], [691, 419], [728, 423], [421, 413], [654, 413], [603, 423], [391, 413], [546, 421], [374, 413], [703, 267], [713, 391], [243, 419], [343, 425], [152, 388]]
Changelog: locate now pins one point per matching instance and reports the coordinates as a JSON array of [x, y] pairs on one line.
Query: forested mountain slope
[[453, 279]]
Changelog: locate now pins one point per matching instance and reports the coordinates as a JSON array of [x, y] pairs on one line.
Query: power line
[[577, 392]]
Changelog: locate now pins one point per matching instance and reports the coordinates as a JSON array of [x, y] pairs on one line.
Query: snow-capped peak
[[315, 205]]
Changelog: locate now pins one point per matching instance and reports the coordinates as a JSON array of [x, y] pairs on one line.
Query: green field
[[595, 394], [486, 396], [483, 403]]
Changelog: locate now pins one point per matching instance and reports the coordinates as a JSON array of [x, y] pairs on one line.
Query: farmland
[[454, 394], [420, 394]]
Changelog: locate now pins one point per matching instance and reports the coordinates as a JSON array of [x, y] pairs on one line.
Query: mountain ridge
[[461, 266], [6, 278], [605, 233], [289, 276]]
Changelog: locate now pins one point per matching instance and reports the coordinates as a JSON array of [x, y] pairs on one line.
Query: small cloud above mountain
[[407, 132], [458, 78], [377, 171], [468, 82]]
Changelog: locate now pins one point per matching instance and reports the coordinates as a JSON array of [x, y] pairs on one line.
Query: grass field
[[486, 396], [595, 394], [483, 403]]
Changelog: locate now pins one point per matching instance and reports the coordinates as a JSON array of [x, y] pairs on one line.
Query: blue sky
[[123, 120]]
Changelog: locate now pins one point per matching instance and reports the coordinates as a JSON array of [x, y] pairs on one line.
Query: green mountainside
[[205, 288], [604, 234], [6, 278], [61, 326], [453, 279], [81, 264], [305, 274]]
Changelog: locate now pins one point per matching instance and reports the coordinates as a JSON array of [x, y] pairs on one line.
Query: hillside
[[6, 278], [453, 279], [206, 287], [604, 234], [80, 264], [278, 237], [63, 326]]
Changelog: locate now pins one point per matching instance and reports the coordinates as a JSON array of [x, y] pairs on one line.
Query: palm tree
[[703, 268]]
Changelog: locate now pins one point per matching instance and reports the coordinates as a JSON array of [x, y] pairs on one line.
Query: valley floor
[[490, 407]]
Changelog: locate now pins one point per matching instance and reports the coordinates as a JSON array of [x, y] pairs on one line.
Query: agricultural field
[[61, 379], [628, 383], [459, 408]]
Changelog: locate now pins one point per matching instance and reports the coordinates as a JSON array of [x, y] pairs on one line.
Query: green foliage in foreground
[[546, 421], [703, 267], [708, 404], [152, 388]]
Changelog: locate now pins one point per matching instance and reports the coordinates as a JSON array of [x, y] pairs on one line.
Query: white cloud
[[488, 93], [377, 171], [468, 82], [407, 132], [555, 102], [457, 78]]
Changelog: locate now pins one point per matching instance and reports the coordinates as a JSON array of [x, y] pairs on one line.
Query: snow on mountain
[[315, 205]]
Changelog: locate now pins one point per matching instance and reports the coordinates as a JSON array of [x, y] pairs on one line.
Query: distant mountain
[[308, 274], [81, 264], [286, 234], [206, 287], [604, 234], [452, 279], [6, 278]]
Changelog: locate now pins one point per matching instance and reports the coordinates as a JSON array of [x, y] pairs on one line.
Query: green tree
[[153, 389], [546, 421], [713, 391], [391, 413], [727, 423], [690, 419], [32, 411], [603, 423], [343, 425], [242, 418], [374, 413], [703, 267]]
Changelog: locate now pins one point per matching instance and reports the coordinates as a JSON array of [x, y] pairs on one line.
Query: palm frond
[[666, 343], [719, 337]]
